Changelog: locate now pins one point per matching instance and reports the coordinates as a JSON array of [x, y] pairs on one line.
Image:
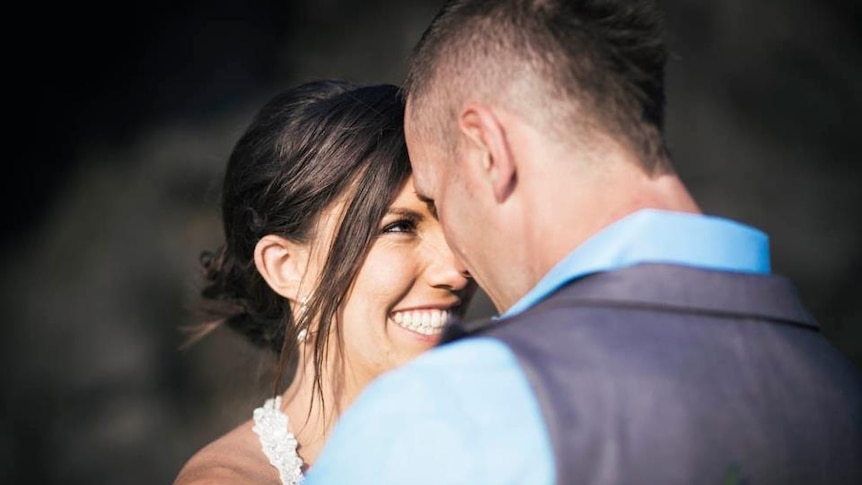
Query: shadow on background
[[123, 128]]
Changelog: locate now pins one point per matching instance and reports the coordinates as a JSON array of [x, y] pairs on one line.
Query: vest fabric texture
[[669, 374]]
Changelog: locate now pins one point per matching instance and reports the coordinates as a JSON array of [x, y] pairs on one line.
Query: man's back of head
[[561, 104], [574, 68]]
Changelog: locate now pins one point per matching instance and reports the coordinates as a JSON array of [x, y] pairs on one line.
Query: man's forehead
[[410, 131], [421, 139], [417, 143], [420, 115], [420, 153]]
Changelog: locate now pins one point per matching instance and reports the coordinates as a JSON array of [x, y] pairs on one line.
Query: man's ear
[[486, 138], [282, 264]]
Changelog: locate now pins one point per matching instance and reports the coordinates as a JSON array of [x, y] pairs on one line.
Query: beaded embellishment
[[279, 444]]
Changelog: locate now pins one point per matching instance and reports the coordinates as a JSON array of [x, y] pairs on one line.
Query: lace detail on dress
[[279, 444]]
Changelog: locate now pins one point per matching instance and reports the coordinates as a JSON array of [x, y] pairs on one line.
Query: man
[[639, 340]]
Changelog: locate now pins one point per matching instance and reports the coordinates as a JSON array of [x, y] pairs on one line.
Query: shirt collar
[[656, 236]]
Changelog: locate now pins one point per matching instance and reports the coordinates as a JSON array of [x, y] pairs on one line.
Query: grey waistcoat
[[664, 374]]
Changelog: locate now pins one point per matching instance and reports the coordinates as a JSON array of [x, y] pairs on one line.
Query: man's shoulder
[[473, 387], [455, 368], [466, 404]]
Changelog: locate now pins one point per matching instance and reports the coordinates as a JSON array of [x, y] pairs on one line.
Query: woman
[[331, 260]]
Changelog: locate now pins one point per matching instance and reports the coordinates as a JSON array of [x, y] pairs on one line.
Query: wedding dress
[[278, 443]]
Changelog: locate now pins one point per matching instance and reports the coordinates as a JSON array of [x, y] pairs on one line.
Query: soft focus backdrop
[[120, 120]]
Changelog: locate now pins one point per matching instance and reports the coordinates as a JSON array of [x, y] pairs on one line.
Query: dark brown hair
[[595, 64], [307, 148]]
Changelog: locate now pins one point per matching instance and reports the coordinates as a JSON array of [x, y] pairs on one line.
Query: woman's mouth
[[427, 321]]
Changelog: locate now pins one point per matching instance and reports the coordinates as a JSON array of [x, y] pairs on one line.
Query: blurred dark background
[[120, 120]]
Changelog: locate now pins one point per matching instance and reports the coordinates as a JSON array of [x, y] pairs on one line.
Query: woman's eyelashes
[[400, 226], [404, 224]]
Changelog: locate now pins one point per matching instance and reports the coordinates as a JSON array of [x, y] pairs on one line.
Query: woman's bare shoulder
[[233, 459]]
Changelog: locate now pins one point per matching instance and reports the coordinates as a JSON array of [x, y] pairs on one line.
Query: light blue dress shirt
[[464, 413]]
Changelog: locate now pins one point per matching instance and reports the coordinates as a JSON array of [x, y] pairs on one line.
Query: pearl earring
[[302, 336]]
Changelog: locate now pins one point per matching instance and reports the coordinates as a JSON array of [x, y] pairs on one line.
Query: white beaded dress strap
[[279, 444]]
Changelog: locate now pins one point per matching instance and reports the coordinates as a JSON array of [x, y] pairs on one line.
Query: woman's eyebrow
[[404, 212], [429, 202], [424, 198]]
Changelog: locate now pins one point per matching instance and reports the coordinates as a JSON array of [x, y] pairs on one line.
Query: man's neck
[[558, 232]]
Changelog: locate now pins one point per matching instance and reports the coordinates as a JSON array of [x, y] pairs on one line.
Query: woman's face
[[408, 287]]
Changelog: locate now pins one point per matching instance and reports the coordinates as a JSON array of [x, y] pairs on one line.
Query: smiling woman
[[331, 260]]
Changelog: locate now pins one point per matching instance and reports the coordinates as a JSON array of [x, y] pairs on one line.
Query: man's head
[[568, 66], [495, 85]]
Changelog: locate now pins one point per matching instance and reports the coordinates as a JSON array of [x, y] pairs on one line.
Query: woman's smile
[[425, 321]]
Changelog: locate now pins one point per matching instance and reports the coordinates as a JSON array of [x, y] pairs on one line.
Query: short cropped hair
[[569, 66]]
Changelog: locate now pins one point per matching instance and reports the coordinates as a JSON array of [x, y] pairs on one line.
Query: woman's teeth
[[426, 321]]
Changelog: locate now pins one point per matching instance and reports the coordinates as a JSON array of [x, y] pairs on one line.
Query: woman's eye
[[400, 226]]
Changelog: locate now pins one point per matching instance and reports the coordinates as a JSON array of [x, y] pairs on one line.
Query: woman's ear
[[486, 135], [282, 264]]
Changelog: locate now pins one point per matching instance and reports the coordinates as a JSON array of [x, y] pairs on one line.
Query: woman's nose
[[445, 269]]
